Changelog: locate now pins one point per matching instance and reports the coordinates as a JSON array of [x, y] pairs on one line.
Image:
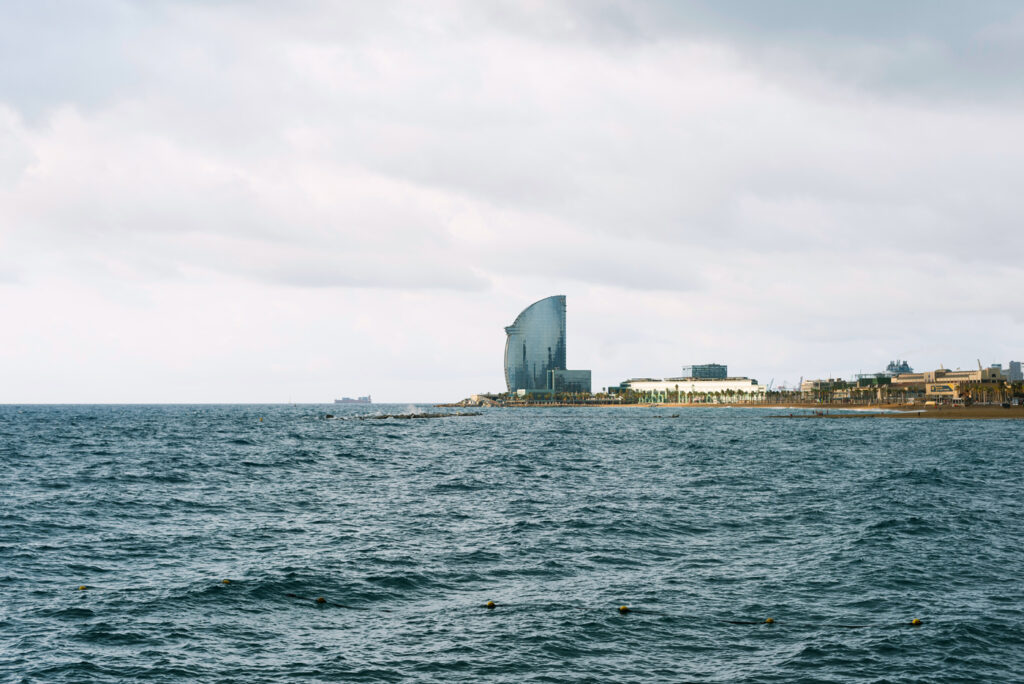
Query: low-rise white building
[[694, 389]]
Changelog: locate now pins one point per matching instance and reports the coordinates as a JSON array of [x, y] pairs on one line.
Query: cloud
[[722, 180], [907, 50]]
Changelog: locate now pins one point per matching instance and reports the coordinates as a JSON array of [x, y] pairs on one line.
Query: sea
[[195, 543]]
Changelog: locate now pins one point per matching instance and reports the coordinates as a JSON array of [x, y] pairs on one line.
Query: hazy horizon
[[239, 203]]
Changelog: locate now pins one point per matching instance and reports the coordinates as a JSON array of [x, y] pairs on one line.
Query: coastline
[[942, 413], [896, 411]]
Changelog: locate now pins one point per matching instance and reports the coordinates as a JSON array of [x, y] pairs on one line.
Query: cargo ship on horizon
[[357, 400]]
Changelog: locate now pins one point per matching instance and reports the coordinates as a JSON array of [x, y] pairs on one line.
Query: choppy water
[[407, 528]]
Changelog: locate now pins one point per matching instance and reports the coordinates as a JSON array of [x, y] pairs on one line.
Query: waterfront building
[[535, 344], [694, 389], [944, 375], [535, 351], [810, 387], [1015, 374], [706, 371], [951, 384], [576, 381]]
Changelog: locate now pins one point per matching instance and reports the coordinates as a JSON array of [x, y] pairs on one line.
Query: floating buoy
[[82, 588], [490, 604], [624, 609], [769, 621], [915, 622], [225, 581], [261, 419], [321, 599]]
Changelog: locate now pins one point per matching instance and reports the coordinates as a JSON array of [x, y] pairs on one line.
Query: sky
[[267, 202]]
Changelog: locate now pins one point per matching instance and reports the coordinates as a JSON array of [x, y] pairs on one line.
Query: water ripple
[[841, 531]]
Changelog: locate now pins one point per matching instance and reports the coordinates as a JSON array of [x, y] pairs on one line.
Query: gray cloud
[[903, 49], [745, 180]]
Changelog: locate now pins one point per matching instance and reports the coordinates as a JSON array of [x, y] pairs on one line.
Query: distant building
[[1015, 374], [891, 371], [706, 371], [688, 388], [898, 366], [864, 387], [535, 351], [873, 379], [946, 375], [577, 381], [948, 383], [808, 387], [535, 344]]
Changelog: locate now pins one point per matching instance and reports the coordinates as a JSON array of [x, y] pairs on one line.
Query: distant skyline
[[263, 202]]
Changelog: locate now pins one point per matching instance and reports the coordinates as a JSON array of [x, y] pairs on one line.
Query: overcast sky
[[228, 201]]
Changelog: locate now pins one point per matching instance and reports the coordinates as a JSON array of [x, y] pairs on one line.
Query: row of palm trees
[[991, 393], [837, 394], [633, 397], [677, 396]]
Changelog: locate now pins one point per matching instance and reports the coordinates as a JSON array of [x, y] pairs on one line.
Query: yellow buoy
[[82, 588], [226, 581], [261, 419], [915, 621], [321, 600], [490, 604], [624, 609], [769, 621]]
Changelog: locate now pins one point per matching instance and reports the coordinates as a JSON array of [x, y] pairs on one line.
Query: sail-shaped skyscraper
[[535, 350]]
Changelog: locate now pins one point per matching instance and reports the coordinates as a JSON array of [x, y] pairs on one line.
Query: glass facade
[[569, 381], [535, 345], [706, 371]]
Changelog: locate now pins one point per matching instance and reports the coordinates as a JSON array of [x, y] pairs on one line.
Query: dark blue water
[[408, 527]]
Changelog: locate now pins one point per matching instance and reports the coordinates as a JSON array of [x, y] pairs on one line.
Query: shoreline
[[896, 411], [945, 413]]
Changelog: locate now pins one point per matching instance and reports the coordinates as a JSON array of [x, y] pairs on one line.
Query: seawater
[[842, 531]]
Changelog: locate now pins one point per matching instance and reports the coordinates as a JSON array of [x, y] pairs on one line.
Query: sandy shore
[[898, 411], [949, 412], [791, 405], [904, 413]]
